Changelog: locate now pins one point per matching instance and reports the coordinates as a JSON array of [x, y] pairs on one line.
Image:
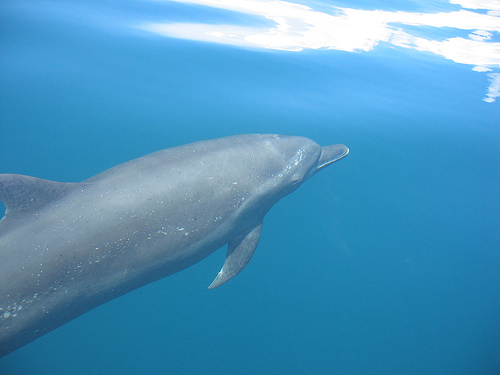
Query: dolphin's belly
[[70, 268]]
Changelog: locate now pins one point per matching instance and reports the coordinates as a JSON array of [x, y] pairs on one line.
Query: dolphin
[[66, 248]]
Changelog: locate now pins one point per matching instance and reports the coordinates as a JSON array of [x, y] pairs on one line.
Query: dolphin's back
[[215, 153]]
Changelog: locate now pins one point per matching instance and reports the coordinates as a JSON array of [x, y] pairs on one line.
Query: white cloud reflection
[[494, 89], [295, 27]]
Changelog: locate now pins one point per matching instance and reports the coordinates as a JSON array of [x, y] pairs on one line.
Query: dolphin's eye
[[296, 181]]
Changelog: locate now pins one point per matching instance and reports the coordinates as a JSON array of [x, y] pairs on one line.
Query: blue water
[[387, 262]]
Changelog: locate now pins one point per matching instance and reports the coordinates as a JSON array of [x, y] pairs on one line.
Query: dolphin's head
[[301, 158], [286, 162]]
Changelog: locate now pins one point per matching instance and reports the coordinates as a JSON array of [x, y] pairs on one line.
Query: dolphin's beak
[[330, 154]]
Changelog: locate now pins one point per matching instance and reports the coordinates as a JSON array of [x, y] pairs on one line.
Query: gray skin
[[66, 248]]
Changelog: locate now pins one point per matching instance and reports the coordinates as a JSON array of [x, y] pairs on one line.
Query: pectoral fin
[[239, 251]]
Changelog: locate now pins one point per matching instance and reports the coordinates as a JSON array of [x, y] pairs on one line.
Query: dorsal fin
[[24, 194]]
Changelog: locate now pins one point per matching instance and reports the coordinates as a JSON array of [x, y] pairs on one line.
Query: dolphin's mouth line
[[330, 154]]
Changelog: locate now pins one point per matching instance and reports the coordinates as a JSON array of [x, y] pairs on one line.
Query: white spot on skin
[[162, 231]]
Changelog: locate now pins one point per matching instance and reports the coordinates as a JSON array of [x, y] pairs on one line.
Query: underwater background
[[387, 262]]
